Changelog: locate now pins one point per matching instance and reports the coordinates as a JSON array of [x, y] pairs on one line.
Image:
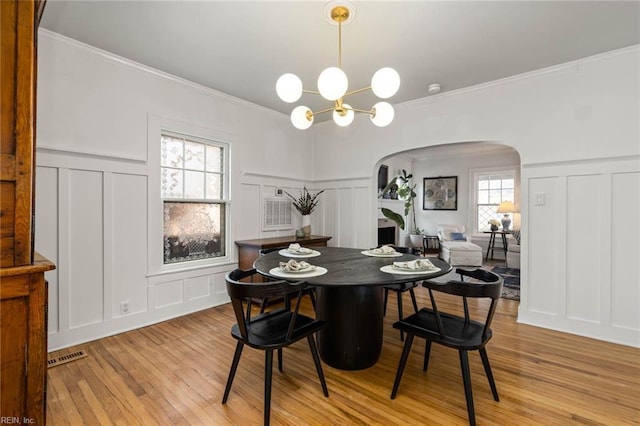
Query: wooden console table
[[248, 250]]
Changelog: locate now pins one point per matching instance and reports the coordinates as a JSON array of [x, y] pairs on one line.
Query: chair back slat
[[434, 306], [241, 292], [490, 286]]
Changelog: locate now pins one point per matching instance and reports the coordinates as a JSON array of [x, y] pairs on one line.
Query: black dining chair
[[399, 289], [268, 331], [455, 331], [310, 291]]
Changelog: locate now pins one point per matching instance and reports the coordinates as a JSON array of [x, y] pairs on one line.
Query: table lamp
[[506, 207]]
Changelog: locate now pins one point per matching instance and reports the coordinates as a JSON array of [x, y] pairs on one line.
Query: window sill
[[186, 270]]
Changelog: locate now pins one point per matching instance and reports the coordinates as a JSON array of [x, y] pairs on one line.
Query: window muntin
[[491, 189], [193, 185]]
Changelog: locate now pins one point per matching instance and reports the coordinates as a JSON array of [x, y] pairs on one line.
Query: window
[[491, 188], [194, 194]]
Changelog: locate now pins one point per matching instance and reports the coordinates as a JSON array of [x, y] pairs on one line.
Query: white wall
[[95, 215], [575, 128], [93, 206], [93, 169]]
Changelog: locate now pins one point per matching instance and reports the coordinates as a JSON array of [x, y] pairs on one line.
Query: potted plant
[[406, 192], [305, 204]]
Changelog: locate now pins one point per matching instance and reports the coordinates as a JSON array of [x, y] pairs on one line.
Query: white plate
[[277, 272], [369, 253], [309, 268], [390, 269], [287, 253]]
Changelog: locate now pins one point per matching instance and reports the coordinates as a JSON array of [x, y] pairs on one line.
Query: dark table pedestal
[[352, 339]]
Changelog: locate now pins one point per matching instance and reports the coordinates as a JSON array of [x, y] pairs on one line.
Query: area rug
[[511, 277]]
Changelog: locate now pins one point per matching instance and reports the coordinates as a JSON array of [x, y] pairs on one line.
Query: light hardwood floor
[[174, 373]]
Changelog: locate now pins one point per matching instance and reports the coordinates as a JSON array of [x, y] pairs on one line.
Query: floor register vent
[[63, 359]]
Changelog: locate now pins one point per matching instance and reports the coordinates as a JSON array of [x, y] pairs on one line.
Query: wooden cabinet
[[23, 290], [23, 341], [248, 250], [17, 135]]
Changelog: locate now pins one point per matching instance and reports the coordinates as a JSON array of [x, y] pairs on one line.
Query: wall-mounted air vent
[[276, 214]]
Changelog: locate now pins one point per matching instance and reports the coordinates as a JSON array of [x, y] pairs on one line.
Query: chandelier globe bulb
[[382, 114], [345, 118], [301, 117], [289, 87], [332, 83], [385, 82]]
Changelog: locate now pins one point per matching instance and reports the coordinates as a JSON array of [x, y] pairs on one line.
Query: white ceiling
[[242, 47]]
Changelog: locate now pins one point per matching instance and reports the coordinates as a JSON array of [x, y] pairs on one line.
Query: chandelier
[[333, 85]]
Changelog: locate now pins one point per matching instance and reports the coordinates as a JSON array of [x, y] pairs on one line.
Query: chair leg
[[312, 296], [468, 392], [413, 300], [316, 361], [386, 297], [427, 352], [487, 370], [263, 304], [280, 359], [400, 315], [232, 371], [403, 362], [268, 366]]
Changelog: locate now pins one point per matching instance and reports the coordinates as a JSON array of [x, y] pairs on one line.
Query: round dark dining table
[[350, 299]]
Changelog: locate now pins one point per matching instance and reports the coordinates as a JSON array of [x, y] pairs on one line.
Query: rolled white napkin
[[297, 248], [418, 264], [295, 266], [383, 250]]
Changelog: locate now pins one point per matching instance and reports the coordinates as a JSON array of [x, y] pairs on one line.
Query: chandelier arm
[[313, 92], [364, 111], [322, 111], [353, 92]]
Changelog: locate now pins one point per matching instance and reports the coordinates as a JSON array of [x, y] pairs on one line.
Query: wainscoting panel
[[197, 287], [580, 267], [330, 211], [346, 219], [585, 204], [247, 209], [625, 246], [126, 255], [361, 228], [85, 244], [46, 231], [169, 293], [546, 296]]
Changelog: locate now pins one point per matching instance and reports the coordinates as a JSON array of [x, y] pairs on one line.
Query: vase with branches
[[305, 203]]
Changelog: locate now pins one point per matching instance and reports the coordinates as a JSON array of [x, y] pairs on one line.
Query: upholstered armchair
[[456, 247], [513, 250]]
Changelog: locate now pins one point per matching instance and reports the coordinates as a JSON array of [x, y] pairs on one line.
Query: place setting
[[383, 251], [297, 251], [297, 269], [411, 267]]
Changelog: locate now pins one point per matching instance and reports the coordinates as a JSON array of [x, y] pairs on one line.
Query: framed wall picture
[[440, 193]]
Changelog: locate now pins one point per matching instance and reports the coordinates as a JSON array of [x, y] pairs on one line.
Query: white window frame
[[474, 175], [157, 126]]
